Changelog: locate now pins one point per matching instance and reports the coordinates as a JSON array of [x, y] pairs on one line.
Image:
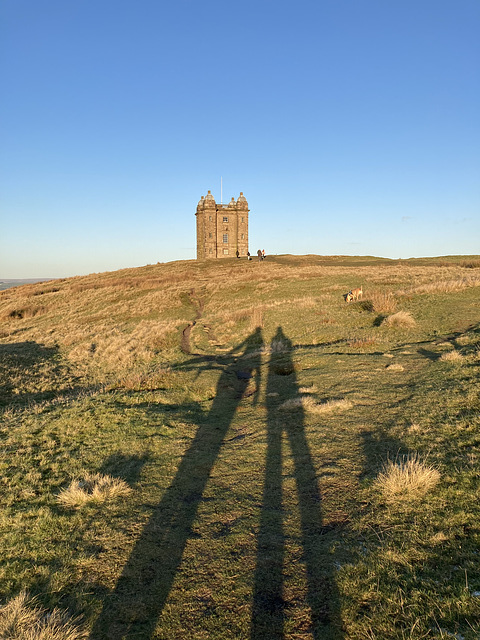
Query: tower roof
[[242, 200]]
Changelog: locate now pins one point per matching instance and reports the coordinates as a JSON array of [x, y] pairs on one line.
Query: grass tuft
[[22, 619], [310, 389], [93, 488], [395, 367], [451, 356], [309, 404], [382, 302], [401, 319], [406, 478]]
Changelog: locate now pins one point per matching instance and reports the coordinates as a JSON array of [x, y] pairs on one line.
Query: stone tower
[[222, 229]]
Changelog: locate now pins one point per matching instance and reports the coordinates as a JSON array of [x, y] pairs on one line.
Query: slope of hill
[[228, 449], [7, 283]]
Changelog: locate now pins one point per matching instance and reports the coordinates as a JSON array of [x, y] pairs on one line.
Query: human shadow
[[127, 467], [133, 608], [15, 359], [269, 606]]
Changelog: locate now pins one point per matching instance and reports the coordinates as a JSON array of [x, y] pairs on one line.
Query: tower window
[[225, 237], [243, 236], [210, 218], [225, 252], [225, 218], [243, 220], [209, 235]]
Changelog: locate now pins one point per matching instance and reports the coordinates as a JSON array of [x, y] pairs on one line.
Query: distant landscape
[[7, 284], [229, 449]]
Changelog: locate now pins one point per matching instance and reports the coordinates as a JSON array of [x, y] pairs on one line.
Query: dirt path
[[198, 304]]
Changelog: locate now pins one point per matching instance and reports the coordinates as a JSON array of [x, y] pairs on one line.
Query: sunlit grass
[[97, 381], [93, 489], [402, 319], [406, 478], [23, 619]]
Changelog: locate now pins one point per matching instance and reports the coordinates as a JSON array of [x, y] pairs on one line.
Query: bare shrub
[[406, 478], [93, 488], [22, 619], [382, 302], [401, 319]]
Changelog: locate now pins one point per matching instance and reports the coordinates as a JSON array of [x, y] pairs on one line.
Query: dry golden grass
[[406, 478], [401, 319], [361, 343], [22, 619], [382, 302], [93, 488], [451, 356], [19, 313], [144, 380], [444, 285], [108, 324], [256, 319], [308, 404], [311, 389], [414, 428], [394, 367]]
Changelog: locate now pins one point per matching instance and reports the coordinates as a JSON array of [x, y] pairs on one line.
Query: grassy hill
[[229, 450]]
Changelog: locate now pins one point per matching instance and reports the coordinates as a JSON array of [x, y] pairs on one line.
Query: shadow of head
[[281, 354], [127, 467], [26, 353]]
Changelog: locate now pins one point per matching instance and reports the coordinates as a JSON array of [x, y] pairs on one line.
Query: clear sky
[[352, 127]]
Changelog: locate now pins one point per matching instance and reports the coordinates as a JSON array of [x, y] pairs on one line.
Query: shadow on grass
[[133, 608], [120, 465], [16, 358], [269, 606], [36, 365]]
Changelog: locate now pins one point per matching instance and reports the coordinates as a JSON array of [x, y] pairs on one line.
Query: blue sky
[[352, 127]]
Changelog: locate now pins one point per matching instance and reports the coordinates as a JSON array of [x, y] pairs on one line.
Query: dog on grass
[[354, 294]]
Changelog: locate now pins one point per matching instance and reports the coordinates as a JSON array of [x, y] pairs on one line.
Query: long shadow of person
[[133, 609], [19, 359], [269, 606]]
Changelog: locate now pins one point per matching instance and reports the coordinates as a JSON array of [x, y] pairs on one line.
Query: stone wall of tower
[[222, 229]]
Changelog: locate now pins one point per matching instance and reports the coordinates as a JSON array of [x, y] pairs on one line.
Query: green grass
[[254, 512]]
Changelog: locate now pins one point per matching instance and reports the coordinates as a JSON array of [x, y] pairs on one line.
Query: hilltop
[[227, 449]]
